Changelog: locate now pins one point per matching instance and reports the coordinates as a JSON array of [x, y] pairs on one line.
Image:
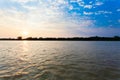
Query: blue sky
[[59, 18]]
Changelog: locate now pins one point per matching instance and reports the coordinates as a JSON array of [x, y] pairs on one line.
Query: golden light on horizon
[[24, 33]]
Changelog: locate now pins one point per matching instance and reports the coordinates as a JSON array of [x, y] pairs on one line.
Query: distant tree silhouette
[[94, 38], [116, 37], [19, 37]]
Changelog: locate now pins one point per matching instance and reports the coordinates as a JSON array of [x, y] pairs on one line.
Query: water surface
[[59, 60]]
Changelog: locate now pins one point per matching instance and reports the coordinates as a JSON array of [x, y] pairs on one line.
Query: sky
[[59, 18]]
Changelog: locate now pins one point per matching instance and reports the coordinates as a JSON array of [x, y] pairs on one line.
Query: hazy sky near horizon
[[59, 18]]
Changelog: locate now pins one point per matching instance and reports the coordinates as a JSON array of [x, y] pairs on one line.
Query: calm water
[[59, 60]]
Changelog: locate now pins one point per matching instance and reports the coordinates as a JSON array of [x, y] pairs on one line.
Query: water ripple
[[59, 61]]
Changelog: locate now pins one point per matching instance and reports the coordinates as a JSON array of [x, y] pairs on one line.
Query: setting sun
[[24, 33]]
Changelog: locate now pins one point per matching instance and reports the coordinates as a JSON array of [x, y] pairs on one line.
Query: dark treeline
[[96, 38]]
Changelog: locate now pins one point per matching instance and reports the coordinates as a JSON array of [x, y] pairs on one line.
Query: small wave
[[17, 74]]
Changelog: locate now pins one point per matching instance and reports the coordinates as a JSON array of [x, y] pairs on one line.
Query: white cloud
[[62, 1], [70, 7], [87, 13], [88, 6], [103, 12], [81, 3], [29, 7], [99, 3], [118, 10], [23, 1], [90, 2]]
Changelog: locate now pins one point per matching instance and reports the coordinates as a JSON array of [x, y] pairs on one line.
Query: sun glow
[[24, 33]]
